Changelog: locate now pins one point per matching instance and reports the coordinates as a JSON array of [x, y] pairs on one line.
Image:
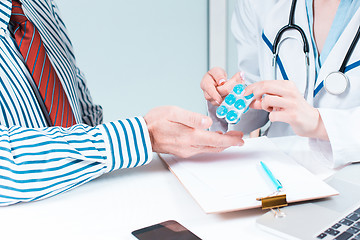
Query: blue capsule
[[231, 116], [221, 111], [240, 104], [238, 89], [230, 99]]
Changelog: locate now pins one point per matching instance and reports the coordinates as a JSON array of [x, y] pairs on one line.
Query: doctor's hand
[[182, 133], [285, 103], [215, 85]]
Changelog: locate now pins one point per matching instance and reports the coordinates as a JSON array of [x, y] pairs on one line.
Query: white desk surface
[[114, 205]]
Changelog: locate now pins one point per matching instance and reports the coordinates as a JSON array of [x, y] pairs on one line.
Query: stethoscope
[[336, 82]]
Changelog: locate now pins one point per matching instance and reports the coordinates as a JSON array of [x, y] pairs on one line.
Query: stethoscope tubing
[[350, 51], [291, 25]]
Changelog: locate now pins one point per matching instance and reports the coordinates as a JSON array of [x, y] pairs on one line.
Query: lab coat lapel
[[291, 54], [337, 54]]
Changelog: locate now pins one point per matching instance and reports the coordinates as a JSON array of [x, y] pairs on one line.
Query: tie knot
[[17, 14]]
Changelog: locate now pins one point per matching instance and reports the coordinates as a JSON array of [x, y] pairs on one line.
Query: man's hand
[[182, 133]]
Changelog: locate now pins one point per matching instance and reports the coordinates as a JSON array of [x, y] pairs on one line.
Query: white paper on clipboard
[[233, 179]]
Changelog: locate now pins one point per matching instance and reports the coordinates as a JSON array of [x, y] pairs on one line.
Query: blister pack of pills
[[234, 105]]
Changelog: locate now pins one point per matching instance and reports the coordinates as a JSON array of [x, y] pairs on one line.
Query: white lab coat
[[254, 25]]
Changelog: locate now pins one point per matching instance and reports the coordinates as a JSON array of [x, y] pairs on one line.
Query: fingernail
[[240, 144], [204, 122], [217, 102], [222, 82], [242, 75]]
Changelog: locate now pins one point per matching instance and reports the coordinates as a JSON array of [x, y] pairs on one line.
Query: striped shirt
[[36, 161]]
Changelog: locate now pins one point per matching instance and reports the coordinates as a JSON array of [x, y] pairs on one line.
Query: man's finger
[[190, 119], [213, 139], [203, 149], [235, 133]]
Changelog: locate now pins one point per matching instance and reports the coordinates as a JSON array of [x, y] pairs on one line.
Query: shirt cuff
[[127, 143]]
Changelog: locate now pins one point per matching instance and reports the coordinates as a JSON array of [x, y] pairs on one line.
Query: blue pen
[[275, 181]]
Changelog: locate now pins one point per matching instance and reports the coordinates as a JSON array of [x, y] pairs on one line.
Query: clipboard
[[233, 180]]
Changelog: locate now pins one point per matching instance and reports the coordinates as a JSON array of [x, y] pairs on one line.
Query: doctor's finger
[[265, 87], [238, 78], [206, 81], [280, 116], [256, 104], [211, 99], [269, 102], [230, 84], [212, 95], [274, 87], [208, 85], [217, 73]]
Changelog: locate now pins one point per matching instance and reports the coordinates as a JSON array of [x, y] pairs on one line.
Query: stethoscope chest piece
[[336, 83]]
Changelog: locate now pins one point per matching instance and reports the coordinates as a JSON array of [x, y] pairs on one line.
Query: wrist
[[150, 131], [320, 130]]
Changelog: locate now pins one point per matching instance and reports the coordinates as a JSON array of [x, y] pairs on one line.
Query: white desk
[[114, 205]]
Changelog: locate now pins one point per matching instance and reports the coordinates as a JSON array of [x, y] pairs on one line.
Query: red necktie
[[32, 49]]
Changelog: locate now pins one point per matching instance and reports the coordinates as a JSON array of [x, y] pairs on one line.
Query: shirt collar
[[5, 13]]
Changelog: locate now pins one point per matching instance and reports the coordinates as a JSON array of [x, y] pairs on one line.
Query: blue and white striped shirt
[[36, 161]]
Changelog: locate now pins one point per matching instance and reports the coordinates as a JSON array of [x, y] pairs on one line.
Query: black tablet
[[169, 230]]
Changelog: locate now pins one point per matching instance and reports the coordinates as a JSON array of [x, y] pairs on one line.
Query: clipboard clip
[[274, 202], [276, 199]]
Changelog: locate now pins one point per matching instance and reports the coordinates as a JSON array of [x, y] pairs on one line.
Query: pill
[[221, 111], [230, 99], [238, 89], [232, 116], [240, 104]]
